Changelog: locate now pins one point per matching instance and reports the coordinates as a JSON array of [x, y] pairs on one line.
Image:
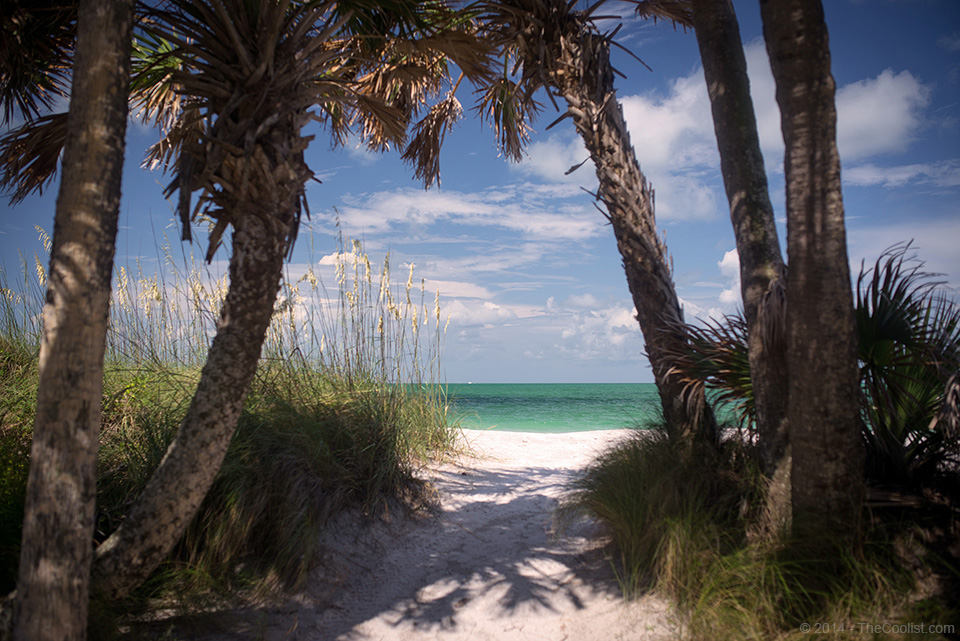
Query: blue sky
[[527, 269]]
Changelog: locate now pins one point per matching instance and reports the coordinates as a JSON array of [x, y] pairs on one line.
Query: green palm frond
[[153, 96], [716, 357], [909, 350]]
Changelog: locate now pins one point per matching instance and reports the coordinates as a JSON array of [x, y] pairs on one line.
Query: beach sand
[[489, 565]]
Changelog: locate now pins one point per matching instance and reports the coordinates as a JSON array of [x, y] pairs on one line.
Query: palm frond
[[505, 106], [909, 349], [29, 155], [679, 12], [716, 357], [36, 47], [423, 152], [153, 96]]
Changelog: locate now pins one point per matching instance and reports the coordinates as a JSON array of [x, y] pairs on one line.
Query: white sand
[[489, 566]]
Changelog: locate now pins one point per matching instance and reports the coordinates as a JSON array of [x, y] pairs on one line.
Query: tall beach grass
[[683, 524], [344, 409]]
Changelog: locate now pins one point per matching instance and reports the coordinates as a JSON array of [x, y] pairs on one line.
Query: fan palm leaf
[[36, 49]]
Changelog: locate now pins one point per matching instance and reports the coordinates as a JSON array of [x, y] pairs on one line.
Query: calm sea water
[[554, 407]]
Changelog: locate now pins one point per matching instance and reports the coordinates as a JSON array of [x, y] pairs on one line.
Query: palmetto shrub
[[908, 332], [908, 335]]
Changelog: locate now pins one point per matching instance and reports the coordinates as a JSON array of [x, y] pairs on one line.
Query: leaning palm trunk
[[246, 156], [178, 486], [255, 73], [827, 467], [762, 277], [582, 74], [59, 514]]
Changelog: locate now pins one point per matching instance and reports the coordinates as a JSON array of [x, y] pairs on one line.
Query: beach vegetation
[[686, 527], [342, 413], [908, 346], [694, 527], [231, 85]]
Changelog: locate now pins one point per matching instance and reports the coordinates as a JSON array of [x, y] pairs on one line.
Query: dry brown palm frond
[[423, 152], [471, 53], [30, 153], [36, 48], [679, 12], [772, 312], [505, 106]]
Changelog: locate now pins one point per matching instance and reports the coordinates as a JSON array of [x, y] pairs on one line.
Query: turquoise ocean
[[554, 407]]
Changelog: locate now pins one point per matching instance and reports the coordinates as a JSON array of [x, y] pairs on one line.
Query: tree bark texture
[[584, 77], [178, 486], [762, 271], [827, 470], [250, 99], [53, 583]]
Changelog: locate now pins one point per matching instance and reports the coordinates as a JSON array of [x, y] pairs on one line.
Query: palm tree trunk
[[176, 489], [592, 102], [827, 471], [762, 277], [53, 583]]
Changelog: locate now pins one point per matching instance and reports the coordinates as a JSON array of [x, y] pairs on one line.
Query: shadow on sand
[[492, 550]]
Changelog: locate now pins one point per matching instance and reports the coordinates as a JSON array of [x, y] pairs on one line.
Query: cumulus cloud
[[471, 313], [880, 115], [674, 131], [730, 268]]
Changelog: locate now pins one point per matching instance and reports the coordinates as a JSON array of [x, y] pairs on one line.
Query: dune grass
[[682, 524], [343, 411]]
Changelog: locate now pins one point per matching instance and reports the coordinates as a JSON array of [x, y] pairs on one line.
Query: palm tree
[[826, 478], [557, 48], [233, 83], [56, 554], [252, 73], [762, 270]]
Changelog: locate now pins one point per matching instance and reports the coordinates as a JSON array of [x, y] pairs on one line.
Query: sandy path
[[489, 567]]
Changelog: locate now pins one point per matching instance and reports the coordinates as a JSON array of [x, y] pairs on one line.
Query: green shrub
[[680, 522]]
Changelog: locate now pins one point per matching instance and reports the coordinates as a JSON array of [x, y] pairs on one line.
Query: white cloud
[[937, 174], [552, 158], [582, 301], [457, 289], [874, 115], [525, 211], [730, 268], [472, 313], [685, 196], [673, 132], [880, 115], [951, 43], [935, 242]]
